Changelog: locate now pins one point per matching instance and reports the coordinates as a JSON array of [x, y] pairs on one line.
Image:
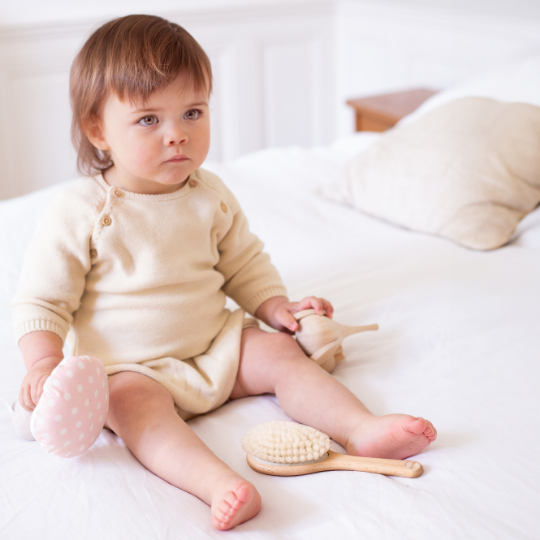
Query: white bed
[[459, 344]]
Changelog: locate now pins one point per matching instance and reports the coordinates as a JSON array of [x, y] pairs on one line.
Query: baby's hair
[[131, 57]]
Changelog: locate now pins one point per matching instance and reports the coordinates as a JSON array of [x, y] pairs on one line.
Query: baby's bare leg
[[274, 363], [142, 414]]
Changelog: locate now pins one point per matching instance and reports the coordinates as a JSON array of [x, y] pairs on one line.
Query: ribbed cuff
[[38, 325], [275, 290]]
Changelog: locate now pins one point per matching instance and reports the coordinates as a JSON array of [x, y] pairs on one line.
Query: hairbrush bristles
[[285, 442]]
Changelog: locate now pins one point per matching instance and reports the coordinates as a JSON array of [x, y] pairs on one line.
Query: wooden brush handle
[[391, 467], [340, 462]]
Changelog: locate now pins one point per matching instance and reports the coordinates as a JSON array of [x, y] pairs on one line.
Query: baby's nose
[[175, 135]]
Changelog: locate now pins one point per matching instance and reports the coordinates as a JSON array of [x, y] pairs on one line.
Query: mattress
[[458, 344]]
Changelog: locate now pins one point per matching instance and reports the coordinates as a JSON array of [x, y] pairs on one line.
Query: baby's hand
[[277, 311], [32, 385]]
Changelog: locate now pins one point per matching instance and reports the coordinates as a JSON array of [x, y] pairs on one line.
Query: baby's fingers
[[39, 388], [328, 308], [33, 393], [312, 302], [25, 398], [287, 320]]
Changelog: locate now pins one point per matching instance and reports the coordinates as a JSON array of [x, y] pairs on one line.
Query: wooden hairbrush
[[283, 448]]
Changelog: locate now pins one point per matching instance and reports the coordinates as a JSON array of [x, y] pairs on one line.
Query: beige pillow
[[468, 170]]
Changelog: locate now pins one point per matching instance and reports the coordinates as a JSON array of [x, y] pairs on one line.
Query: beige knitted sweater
[[141, 277]]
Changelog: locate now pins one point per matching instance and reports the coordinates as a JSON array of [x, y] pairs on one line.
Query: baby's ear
[[94, 131]]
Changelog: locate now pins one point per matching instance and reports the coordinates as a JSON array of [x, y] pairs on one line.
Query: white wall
[[39, 11], [24, 12], [506, 8]]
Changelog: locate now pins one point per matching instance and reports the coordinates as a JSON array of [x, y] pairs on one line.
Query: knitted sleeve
[[250, 276], [56, 262]]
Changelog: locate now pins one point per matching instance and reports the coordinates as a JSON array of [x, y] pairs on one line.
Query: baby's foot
[[394, 436], [234, 500]]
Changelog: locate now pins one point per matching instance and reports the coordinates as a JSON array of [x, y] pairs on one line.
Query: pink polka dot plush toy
[[73, 407]]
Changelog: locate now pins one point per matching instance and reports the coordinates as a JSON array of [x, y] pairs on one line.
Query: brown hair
[[132, 57]]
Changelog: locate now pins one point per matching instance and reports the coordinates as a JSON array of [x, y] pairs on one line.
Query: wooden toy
[[320, 337], [289, 449]]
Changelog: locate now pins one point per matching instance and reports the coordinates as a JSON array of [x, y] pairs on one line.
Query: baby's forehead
[[179, 90]]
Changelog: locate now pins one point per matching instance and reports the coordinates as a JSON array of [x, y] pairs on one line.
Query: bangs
[[150, 56]]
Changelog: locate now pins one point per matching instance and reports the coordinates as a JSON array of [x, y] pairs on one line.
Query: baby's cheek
[[142, 156]]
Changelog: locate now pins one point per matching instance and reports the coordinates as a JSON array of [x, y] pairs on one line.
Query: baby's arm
[[251, 280], [52, 282], [42, 352]]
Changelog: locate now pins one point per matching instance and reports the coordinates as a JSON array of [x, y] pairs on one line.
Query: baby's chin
[[154, 185]]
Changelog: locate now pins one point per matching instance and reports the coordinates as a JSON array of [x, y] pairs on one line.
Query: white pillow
[[516, 81], [468, 170]]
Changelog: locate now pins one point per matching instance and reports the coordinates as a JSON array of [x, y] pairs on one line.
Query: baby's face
[[157, 144]]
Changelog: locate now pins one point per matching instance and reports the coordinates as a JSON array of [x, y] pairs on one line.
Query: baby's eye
[[192, 115], [149, 120]]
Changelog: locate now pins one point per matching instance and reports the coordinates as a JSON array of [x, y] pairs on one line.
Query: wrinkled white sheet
[[459, 343]]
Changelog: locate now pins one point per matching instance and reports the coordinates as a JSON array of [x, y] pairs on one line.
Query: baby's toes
[[243, 495], [232, 500], [225, 509], [430, 432], [236, 505], [416, 426], [221, 518]]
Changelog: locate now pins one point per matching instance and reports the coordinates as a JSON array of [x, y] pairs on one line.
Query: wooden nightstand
[[379, 113]]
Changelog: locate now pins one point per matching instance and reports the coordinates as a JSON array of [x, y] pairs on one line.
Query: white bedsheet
[[459, 343]]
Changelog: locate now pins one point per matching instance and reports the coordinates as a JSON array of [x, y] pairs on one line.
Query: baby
[[133, 263]]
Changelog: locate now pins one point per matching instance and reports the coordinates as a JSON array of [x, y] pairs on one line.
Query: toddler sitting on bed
[[135, 261]]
